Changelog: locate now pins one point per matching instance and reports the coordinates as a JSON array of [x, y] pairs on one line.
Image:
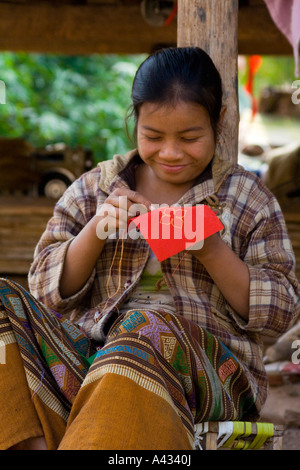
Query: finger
[[111, 222], [111, 212], [133, 197], [137, 209]]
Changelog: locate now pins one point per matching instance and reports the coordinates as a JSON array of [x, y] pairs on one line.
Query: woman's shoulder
[[247, 198], [247, 185], [80, 200], [86, 185], [98, 180]]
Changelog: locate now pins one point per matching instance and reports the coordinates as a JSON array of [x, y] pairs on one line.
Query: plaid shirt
[[254, 229]]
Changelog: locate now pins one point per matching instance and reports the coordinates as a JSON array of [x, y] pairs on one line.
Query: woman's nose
[[170, 150]]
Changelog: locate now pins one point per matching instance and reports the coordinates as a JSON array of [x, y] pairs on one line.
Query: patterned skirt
[[157, 375]]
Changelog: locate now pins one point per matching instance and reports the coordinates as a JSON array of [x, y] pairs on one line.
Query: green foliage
[[276, 72], [77, 100], [83, 100]]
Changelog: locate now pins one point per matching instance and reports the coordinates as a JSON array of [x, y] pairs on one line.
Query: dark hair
[[178, 74]]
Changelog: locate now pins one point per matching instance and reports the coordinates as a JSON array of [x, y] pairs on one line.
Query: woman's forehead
[[193, 114]]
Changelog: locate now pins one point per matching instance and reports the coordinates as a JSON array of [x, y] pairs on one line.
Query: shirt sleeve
[[71, 213], [274, 288]]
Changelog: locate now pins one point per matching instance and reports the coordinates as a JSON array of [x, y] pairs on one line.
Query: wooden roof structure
[[118, 26]]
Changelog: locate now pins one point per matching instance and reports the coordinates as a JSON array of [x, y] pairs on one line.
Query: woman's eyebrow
[[192, 129], [148, 128], [189, 129]]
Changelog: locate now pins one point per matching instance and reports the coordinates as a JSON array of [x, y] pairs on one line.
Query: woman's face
[[176, 142]]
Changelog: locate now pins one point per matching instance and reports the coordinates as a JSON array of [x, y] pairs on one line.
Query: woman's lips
[[172, 168]]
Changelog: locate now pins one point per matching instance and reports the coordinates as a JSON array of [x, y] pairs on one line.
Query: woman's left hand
[[207, 247], [228, 271]]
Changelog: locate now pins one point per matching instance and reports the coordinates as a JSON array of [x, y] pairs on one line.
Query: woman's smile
[[172, 168]]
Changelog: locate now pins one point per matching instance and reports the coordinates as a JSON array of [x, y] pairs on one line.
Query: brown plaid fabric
[[254, 228]]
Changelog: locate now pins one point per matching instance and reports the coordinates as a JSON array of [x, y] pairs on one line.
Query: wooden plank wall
[[23, 220]]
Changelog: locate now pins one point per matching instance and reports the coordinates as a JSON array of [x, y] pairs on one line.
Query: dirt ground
[[283, 407]]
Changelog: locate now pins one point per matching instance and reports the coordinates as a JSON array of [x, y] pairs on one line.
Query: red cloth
[[170, 230]]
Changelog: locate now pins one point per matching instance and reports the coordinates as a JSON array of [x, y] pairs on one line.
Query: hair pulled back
[[171, 75]]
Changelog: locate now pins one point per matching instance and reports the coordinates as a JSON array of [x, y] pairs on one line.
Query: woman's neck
[[159, 192]]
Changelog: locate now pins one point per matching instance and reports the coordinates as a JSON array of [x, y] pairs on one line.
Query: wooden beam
[[111, 26], [213, 26], [79, 29]]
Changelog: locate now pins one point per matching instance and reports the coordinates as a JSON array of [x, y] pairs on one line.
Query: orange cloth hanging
[[254, 63]]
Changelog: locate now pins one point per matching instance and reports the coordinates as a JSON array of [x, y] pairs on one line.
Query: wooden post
[[213, 26]]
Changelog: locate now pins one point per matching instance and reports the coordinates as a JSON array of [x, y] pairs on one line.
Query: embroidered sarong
[[156, 376]]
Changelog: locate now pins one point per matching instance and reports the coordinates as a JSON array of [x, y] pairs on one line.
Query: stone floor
[[283, 407]]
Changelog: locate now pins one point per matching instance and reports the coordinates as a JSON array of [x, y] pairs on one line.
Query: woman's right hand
[[82, 254], [119, 207]]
